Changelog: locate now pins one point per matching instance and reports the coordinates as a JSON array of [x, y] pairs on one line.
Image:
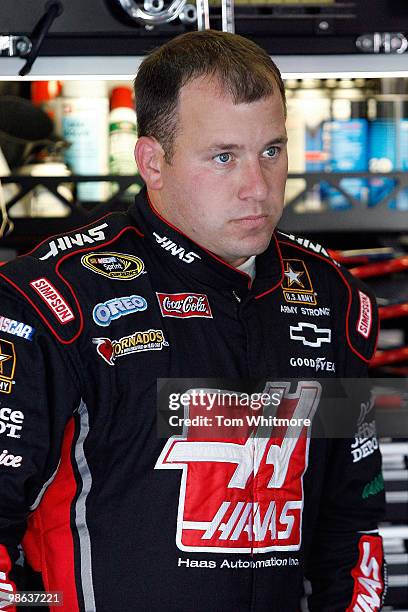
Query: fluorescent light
[[124, 68], [363, 74]]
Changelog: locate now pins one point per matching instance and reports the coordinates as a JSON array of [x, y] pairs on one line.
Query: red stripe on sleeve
[[48, 542], [6, 585], [367, 575]]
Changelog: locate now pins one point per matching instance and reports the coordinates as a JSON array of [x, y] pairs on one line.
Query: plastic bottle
[[85, 125], [383, 147], [402, 198], [295, 129], [122, 134], [345, 139], [312, 103], [45, 94]]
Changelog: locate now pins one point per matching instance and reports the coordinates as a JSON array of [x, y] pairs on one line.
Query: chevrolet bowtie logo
[[310, 334]]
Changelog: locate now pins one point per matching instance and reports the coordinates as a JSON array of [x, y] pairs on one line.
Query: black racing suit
[[117, 518]]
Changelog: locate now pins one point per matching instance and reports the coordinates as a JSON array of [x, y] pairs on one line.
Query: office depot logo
[[53, 299], [184, 305]]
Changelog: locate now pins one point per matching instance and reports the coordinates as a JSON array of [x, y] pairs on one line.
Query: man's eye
[[223, 158], [271, 152]]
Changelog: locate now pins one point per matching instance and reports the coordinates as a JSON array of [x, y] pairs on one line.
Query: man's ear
[[149, 157]]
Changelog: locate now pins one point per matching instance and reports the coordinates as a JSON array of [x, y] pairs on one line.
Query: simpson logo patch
[[184, 305], [366, 317], [7, 365], [140, 341], [296, 285], [256, 499], [53, 299], [117, 266]]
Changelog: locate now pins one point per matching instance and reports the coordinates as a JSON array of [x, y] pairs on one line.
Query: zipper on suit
[[237, 301]]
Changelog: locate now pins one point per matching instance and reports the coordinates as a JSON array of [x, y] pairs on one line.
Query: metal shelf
[[28, 231], [359, 217]]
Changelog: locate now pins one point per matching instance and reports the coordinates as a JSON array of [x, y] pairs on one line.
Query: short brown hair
[[244, 69]]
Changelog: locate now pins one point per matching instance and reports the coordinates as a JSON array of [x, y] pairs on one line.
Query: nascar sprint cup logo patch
[[256, 480], [117, 266]]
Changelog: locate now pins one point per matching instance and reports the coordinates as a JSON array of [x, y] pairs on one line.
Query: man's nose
[[253, 183]]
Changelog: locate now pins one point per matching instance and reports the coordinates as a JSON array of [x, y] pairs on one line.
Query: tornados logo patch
[[140, 341], [244, 494]]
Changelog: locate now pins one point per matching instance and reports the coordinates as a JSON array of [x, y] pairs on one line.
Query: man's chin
[[240, 257], [254, 247]]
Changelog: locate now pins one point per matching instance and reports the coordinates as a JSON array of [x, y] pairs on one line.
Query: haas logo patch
[[244, 494]]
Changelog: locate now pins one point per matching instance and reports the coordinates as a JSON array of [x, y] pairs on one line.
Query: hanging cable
[[53, 10]]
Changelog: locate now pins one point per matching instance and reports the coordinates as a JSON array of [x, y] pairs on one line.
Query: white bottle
[[122, 135], [295, 128], [85, 113]]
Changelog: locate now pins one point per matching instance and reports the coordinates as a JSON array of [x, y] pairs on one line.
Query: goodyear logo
[[296, 285], [7, 365], [117, 266], [139, 342]]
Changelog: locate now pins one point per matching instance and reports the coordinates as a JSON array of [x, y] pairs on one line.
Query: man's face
[[225, 185]]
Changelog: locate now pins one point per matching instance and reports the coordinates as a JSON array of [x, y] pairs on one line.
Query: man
[[192, 282]]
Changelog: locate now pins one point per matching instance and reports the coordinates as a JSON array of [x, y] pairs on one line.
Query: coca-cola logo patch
[[184, 305]]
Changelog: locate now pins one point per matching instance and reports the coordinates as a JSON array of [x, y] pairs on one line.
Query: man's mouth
[[252, 220]]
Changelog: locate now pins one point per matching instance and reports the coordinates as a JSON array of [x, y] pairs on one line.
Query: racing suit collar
[[179, 250]]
